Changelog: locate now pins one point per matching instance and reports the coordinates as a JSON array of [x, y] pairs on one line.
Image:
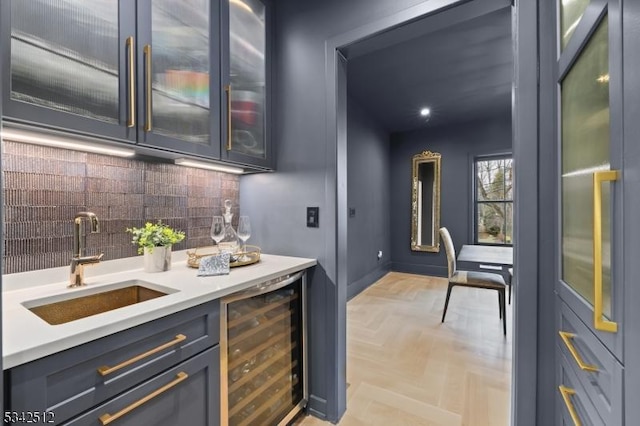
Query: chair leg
[[510, 285], [446, 302], [504, 311], [499, 305]]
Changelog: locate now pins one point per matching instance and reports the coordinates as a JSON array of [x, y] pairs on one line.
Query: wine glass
[[217, 230], [244, 231]]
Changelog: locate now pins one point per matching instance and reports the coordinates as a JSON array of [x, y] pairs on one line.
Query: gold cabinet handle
[[131, 121], [567, 393], [598, 320], [227, 89], [147, 94], [105, 370], [108, 418], [567, 339]]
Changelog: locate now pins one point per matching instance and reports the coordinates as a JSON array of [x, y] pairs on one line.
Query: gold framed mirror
[[425, 202]]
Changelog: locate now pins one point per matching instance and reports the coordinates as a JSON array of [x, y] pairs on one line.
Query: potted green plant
[[154, 240]]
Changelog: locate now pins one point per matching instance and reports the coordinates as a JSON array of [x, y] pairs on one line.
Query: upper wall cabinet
[[178, 75], [65, 64], [146, 72], [245, 78]]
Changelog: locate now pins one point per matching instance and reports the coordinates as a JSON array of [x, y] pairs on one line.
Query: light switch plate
[[313, 217]]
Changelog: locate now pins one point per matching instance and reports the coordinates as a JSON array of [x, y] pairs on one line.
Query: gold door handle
[[598, 178], [227, 89], [567, 339], [147, 92], [567, 393], [131, 121], [108, 418], [105, 370]]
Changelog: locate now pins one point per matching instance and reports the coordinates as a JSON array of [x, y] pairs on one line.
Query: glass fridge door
[[263, 357]]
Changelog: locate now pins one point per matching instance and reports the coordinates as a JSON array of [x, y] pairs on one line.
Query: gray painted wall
[[368, 184], [304, 121], [458, 144], [305, 176]]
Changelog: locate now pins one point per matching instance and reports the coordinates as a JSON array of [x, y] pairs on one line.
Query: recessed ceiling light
[[425, 112]]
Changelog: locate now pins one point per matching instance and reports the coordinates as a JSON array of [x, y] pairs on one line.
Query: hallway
[[405, 367]]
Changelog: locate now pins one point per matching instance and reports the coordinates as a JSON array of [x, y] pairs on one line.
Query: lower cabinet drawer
[[75, 380], [574, 406], [598, 371], [187, 394]]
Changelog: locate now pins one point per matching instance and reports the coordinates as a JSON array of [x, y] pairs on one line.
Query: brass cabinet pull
[[598, 178], [147, 94], [567, 339], [227, 89], [108, 418], [131, 121], [105, 370], [566, 396]]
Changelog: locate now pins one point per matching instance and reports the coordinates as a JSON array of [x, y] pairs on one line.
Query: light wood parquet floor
[[404, 367]]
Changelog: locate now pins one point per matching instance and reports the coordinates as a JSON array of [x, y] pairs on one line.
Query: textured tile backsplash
[[45, 187]]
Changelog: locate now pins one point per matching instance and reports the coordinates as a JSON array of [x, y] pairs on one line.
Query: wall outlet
[[379, 254]]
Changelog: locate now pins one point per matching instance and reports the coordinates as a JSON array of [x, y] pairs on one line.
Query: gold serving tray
[[248, 256]]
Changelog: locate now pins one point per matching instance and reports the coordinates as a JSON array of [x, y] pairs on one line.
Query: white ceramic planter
[[157, 261]]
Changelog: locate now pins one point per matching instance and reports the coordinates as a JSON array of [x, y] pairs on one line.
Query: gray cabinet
[[145, 72], [246, 73], [590, 239], [81, 378], [178, 75], [65, 65], [186, 394]]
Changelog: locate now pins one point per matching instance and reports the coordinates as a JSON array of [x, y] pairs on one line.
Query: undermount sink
[[65, 308]]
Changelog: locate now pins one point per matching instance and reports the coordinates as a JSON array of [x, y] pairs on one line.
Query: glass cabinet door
[[590, 142], [245, 85], [571, 12], [66, 63], [177, 56]]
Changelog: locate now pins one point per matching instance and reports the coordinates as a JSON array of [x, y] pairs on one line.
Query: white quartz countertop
[[26, 337]]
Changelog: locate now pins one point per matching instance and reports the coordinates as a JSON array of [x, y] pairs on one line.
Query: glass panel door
[[585, 143], [65, 56], [247, 77], [179, 57]]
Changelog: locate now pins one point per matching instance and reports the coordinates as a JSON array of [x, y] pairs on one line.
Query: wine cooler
[[263, 354]]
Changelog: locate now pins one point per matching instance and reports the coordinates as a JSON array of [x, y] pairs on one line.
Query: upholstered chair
[[476, 279]]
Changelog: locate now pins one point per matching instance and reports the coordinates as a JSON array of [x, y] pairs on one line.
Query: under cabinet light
[[26, 136], [209, 166]]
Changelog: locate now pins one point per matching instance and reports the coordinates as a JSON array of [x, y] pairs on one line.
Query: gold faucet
[[79, 260]]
